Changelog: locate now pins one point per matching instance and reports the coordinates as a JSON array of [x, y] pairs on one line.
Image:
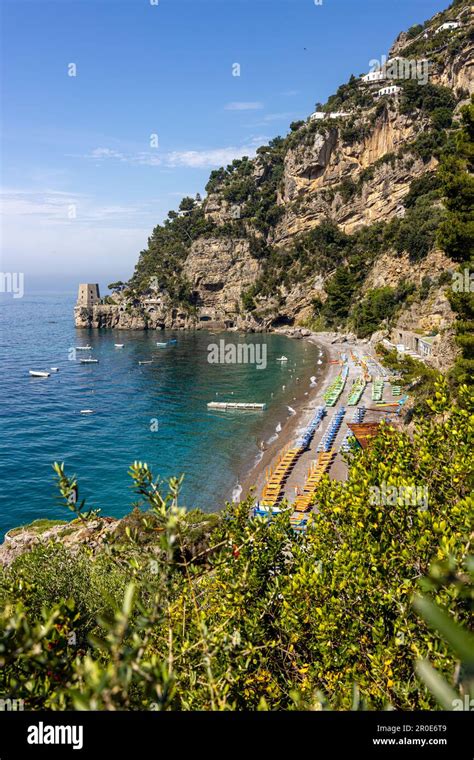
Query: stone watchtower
[[88, 295]]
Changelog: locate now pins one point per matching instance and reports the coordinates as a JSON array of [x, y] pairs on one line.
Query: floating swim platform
[[234, 405]]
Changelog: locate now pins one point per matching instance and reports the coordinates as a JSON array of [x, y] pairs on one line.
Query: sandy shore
[[255, 479]]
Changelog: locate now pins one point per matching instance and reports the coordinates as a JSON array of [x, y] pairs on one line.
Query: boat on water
[[87, 411], [162, 345], [118, 345], [54, 369], [89, 360], [149, 361], [172, 341], [282, 359], [38, 373], [83, 348]]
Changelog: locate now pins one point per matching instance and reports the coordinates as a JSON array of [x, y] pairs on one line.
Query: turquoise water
[[41, 420]]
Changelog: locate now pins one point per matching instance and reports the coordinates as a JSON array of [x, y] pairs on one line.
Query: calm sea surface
[[41, 419]]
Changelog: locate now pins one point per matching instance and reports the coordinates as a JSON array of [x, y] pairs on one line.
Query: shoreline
[[254, 479]]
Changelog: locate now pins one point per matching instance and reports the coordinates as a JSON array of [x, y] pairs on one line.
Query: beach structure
[[407, 342], [88, 295], [364, 431], [225, 405]]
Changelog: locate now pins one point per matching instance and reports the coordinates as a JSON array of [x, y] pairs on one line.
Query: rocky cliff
[[364, 170]]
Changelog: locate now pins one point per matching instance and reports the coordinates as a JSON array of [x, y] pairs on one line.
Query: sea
[[155, 413]]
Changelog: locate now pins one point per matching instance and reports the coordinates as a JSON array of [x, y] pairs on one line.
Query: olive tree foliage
[[249, 614]]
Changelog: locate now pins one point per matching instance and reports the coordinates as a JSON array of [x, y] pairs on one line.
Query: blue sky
[[82, 186]]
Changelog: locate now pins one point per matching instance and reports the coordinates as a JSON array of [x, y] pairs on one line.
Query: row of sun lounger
[[334, 391], [304, 500], [327, 441], [304, 440], [356, 392], [377, 390], [272, 490], [396, 390]]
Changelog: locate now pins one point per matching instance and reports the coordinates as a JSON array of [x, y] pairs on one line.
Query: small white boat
[[161, 345], [54, 369], [282, 358], [87, 411], [83, 348], [89, 360], [150, 361], [118, 345], [38, 373]]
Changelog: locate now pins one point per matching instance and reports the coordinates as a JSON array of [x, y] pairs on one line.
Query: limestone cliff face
[[313, 176], [219, 270]]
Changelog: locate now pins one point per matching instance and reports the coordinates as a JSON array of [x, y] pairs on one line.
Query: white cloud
[[239, 105], [193, 159], [201, 159], [107, 153]]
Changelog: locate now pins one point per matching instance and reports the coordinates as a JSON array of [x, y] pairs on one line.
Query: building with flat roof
[[448, 25], [392, 89]]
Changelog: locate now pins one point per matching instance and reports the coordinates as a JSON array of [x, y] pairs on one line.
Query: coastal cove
[[153, 412]]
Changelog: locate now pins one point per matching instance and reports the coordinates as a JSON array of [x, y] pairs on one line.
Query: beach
[[332, 347]]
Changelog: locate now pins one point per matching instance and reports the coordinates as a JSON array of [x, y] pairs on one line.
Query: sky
[[114, 110]]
